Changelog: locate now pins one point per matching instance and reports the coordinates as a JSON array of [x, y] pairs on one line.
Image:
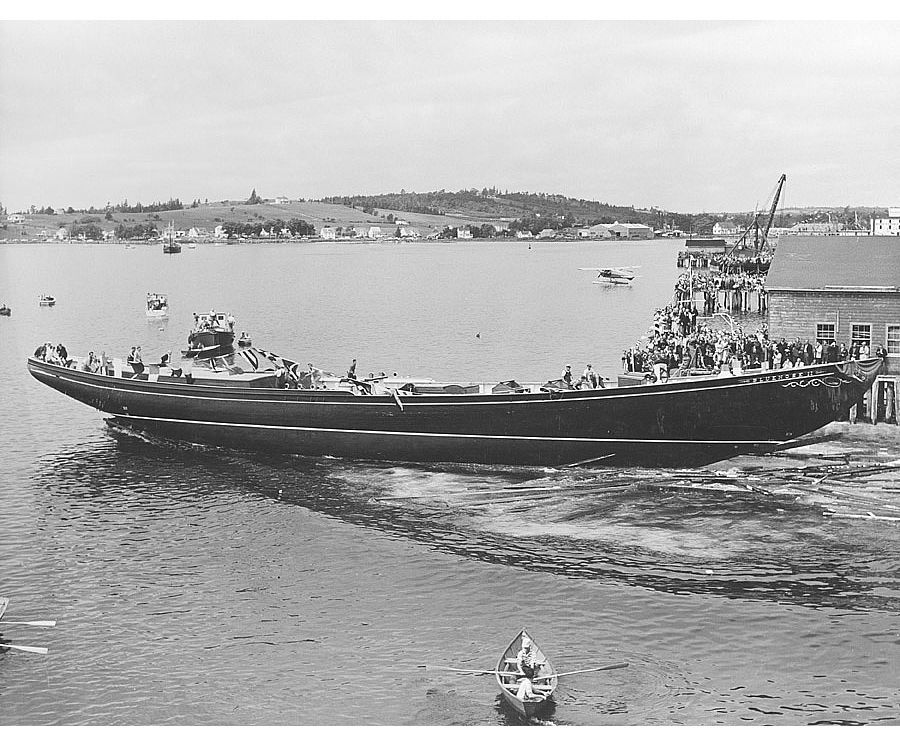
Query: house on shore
[[844, 288], [328, 233], [726, 228], [889, 226]]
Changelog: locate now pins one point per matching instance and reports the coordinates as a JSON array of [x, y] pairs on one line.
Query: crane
[[754, 226], [769, 222]]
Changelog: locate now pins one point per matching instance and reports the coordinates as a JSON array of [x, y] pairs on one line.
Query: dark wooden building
[[845, 288]]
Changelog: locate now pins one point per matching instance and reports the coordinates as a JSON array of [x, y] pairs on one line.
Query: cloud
[[684, 115]]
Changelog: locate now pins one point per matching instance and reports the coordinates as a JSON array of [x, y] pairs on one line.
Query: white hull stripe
[[413, 401], [446, 435]]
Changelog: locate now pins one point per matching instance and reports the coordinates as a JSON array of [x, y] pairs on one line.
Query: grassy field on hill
[[207, 217]]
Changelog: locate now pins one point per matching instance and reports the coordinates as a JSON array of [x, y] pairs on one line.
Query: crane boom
[[774, 206]]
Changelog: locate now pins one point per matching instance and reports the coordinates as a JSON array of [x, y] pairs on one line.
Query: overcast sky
[[688, 116]]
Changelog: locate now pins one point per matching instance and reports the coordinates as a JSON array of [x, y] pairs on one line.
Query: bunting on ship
[[290, 365]]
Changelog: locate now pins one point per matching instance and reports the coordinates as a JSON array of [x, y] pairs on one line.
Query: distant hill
[[424, 212], [490, 204]]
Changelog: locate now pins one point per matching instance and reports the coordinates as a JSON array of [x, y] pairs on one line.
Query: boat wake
[[797, 531]]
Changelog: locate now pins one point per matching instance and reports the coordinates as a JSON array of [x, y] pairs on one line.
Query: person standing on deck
[[567, 375], [315, 375], [351, 372]]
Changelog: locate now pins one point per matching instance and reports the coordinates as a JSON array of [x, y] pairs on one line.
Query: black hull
[[687, 422], [209, 343], [204, 352]]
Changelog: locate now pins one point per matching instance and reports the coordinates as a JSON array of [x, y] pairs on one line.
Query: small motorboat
[[245, 340], [157, 305], [5, 310], [508, 676], [212, 335], [47, 300]]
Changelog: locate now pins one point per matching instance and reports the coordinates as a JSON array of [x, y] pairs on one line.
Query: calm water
[[204, 586]]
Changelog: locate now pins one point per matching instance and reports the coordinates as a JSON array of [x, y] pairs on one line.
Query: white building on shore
[[726, 228], [630, 230], [889, 226]]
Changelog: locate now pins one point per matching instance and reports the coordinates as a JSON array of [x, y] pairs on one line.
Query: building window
[[825, 332], [861, 333], [893, 339]]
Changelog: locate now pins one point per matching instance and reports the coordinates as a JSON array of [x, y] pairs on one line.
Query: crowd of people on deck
[[54, 353], [677, 344], [93, 363], [202, 322]]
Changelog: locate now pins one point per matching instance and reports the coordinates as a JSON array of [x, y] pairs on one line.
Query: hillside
[[425, 212], [207, 216], [490, 205]]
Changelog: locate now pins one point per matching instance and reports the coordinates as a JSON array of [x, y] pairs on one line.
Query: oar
[[25, 648], [457, 670], [610, 667], [41, 623]]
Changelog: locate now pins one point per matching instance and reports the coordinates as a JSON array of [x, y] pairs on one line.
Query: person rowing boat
[[528, 666], [525, 676]]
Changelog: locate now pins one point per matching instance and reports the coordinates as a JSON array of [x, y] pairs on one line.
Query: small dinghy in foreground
[[509, 678]]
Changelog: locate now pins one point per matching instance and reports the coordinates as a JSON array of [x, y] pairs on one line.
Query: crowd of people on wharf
[[738, 292], [726, 263], [679, 342]]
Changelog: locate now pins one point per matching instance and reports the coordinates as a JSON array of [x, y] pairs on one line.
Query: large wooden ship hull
[[688, 421]]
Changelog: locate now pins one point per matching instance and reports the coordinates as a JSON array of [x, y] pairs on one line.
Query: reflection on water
[[740, 534]]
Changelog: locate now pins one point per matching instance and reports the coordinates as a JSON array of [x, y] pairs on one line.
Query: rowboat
[[508, 677]]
